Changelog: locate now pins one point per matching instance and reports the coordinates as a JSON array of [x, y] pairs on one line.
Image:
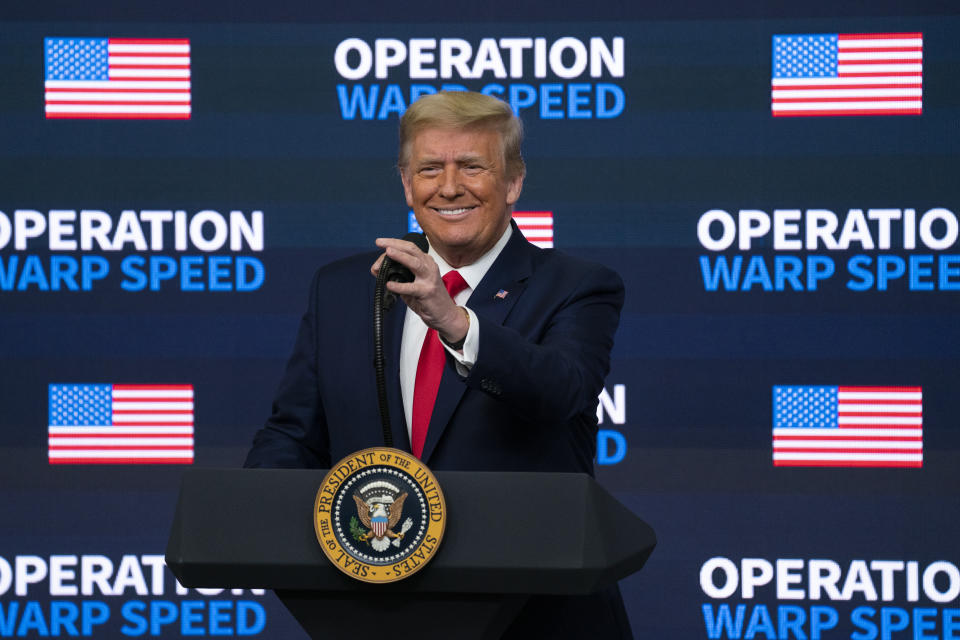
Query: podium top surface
[[549, 533]]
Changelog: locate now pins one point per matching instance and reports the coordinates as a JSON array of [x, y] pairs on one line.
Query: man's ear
[[407, 191], [514, 187]]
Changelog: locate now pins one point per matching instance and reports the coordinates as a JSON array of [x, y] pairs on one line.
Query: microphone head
[[396, 272], [418, 239]]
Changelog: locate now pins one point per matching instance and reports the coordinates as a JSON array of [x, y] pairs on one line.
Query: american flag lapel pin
[[501, 294]]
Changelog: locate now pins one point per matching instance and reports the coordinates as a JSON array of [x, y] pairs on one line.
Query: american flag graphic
[[116, 78], [858, 74], [120, 424], [536, 226], [824, 426], [412, 225]]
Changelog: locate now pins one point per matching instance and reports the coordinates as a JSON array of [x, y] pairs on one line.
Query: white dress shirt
[[415, 330]]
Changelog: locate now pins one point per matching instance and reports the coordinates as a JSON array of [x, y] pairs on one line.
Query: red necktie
[[429, 372]]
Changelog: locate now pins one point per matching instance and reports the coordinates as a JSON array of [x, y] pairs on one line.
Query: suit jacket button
[[490, 386]]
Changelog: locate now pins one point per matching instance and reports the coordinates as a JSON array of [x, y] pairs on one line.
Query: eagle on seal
[[380, 520]]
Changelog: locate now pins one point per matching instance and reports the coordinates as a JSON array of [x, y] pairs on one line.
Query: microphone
[[395, 272], [382, 302]]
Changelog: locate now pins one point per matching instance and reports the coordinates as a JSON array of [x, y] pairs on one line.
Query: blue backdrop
[[758, 251]]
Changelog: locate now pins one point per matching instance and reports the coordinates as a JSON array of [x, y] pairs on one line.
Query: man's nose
[[450, 186]]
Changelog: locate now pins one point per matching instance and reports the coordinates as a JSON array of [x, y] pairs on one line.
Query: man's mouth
[[453, 212]]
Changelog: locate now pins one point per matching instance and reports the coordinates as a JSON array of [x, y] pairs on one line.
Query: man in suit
[[495, 359]]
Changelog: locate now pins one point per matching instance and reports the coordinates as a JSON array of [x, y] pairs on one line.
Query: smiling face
[[456, 183]]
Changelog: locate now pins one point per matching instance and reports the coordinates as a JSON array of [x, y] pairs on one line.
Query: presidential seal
[[379, 515]]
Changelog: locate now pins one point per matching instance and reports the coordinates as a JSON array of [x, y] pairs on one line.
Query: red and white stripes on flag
[[108, 78], [848, 74], [536, 227], [848, 426], [121, 424]]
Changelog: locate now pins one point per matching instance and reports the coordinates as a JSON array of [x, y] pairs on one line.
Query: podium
[[508, 536]]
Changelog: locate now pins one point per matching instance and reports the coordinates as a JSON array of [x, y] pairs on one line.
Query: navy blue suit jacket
[[528, 404]]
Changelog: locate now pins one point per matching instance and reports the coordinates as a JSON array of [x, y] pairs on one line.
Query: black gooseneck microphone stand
[[383, 301]]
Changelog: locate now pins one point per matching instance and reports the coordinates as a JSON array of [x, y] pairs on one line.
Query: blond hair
[[464, 110]]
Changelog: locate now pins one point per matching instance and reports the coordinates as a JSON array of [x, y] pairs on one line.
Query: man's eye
[[429, 171]]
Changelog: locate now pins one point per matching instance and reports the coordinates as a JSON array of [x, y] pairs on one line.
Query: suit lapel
[[509, 274]]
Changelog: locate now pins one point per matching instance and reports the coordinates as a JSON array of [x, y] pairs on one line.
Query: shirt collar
[[473, 273]]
